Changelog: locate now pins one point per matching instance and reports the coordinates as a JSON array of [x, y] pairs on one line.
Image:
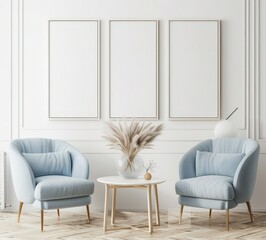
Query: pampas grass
[[131, 138]]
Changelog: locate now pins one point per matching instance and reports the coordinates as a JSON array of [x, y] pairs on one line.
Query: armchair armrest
[[22, 175], [80, 164], [245, 175]]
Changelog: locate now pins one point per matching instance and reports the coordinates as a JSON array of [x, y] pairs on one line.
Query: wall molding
[[21, 122], [217, 117], [21, 66], [9, 79], [156, 117], [257, 67], [247, 67], [11, 70], [74, 118]]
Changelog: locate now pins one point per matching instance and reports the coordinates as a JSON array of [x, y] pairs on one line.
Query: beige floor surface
[[195, 225]]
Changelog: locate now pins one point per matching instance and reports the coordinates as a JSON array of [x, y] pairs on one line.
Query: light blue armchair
[[218, 174], [50, 174]]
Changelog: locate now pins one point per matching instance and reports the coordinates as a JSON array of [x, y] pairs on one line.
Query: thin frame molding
[[98, 70], [218, 117], [257, 67], [157, 68]]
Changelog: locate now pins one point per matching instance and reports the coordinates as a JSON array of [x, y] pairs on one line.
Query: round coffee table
[[114, 182]]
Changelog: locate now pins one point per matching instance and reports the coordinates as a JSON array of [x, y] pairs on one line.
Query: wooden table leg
[[113, 206], [105, 208], [157, 210], [42, 220], [149, 208]]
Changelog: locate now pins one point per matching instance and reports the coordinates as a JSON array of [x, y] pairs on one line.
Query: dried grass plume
[[131, 138]]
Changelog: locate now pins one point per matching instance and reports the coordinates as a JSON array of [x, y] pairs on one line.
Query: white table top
[[120, 181]]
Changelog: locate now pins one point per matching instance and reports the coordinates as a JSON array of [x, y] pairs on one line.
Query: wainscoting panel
[[5, 70], [194, 61], [261, 71], [133, 68], [74, 69]]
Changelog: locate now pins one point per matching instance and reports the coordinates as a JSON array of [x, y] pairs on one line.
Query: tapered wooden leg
[[250, 212], [149, 208], [157, 210], [42, 220], [181, 213], [105, 208], [227, 219], [88, 213], [19, 210], [210, 213], [58, 213], [113, 206]]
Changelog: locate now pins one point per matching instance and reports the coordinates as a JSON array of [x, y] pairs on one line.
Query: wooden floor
[[195, 225]]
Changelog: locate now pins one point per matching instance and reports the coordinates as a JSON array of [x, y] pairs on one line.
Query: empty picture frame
[[74, 71], [133, 66], [194, 69]]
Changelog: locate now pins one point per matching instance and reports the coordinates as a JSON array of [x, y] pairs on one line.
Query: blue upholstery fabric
[[62, 203], [206, 203], [22, 176], [245, 176], [60, 187], [26, 185], [228, 145], [217, 163], [209, 187], [52, 163], [194, 191]]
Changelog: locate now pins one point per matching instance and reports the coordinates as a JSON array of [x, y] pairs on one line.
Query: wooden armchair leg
[[227, 219], [88, 213], [19, 210], [181, 213], [249, 211], [210, 213], [58, 213]]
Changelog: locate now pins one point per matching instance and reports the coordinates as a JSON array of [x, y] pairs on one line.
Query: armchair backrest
[[228, 145], [34, 145], [51, 163]]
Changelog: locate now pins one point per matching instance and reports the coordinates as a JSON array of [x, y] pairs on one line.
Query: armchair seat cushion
[[208, 187], [54, 187]]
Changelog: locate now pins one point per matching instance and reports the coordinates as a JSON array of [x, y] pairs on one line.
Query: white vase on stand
[[130, 169]]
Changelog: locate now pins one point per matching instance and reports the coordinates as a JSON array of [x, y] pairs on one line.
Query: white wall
[[24, 83]]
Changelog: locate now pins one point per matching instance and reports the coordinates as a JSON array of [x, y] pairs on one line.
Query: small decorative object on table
[[148, 167], [130, 139]]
